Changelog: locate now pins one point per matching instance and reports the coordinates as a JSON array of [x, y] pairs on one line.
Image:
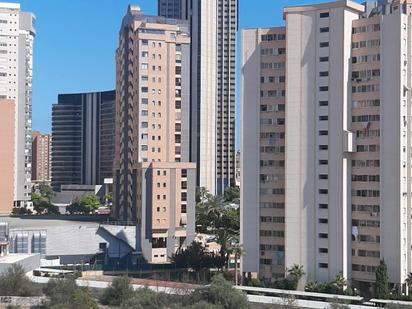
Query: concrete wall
[[249, 153]]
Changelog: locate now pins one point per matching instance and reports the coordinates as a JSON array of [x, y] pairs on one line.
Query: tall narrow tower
[[16, 70], [213, 26], [154, 182]]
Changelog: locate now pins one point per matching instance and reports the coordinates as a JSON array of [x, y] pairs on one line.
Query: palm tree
[[340, 283], [408, 281], [296, 272], [238, 251], [215, 205]]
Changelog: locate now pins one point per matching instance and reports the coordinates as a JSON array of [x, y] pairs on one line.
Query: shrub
[[118, 292], [220, 293], [13, 282]]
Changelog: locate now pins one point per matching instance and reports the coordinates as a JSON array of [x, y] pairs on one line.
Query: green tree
[[90, 202], [46, 191], [238, 251], [231, 194], [85, 205], [296, 273], [76, 208], [382, 281], [13, 282], [118, 292], [64, 293], [215, 206], [42, 200], [202, 219]]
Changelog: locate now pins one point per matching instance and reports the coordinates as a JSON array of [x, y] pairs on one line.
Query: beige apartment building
[[263, 150], [154, 183], [7, 124], [41, 157], [348, 185]]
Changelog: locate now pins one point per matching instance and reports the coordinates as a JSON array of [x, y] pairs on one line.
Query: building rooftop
[[324, 6], [31, 222], [15, 258]]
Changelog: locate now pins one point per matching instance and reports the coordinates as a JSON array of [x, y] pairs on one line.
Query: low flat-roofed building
[[28, 261], [72, 241]]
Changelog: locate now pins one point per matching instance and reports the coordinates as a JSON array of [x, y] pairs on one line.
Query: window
[[323, 176], [184, 173], [323, 44], [323, 206], [323, 132], [323, 88], [323, 147], [145, 89], [324, 29], [323, 265], [323, 118], [323, 220], [159, 242], [324, 73], [183, 196], [323, 162], [323, 250], [323, 103], [323, 191], [144, 66], [323, 59], [324, 15], [323, 235]]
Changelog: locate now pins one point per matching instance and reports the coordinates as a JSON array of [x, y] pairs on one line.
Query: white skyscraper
[[213, 26], [327, 184], [16, 67]]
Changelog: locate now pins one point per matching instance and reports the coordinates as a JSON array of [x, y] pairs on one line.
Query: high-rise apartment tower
[[41, 157], [347, 154], [213, 27], [154, 182], [17, 31]]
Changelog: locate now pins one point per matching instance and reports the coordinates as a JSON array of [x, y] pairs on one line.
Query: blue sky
[[76, 40]]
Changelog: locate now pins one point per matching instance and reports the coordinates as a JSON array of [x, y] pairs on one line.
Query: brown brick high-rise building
[[154, 182], [41, 156]]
